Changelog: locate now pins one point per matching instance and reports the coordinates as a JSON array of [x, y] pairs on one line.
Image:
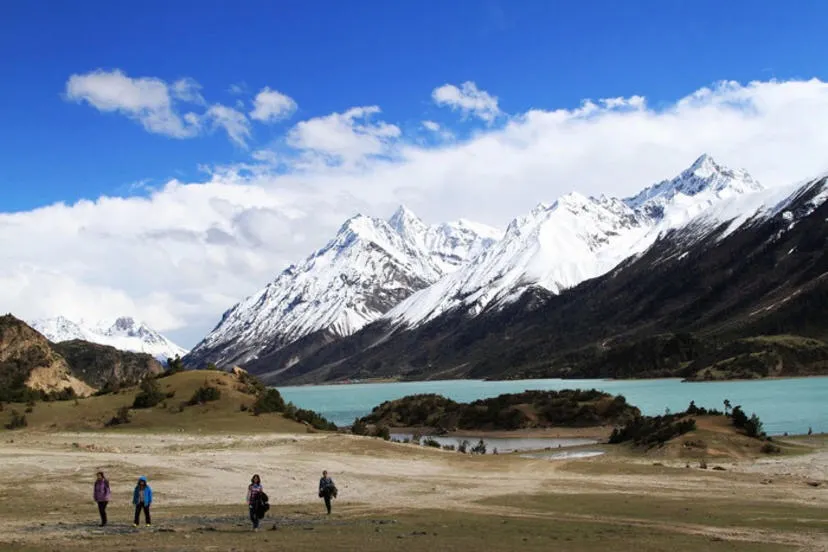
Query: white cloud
[[467, 99], [234, 122], [432, 126], [182, 254], [146, 100], [347, 138], [187, 90], [237, 88], [271, 105]]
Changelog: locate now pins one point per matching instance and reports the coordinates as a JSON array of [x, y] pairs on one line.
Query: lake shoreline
[[598, 433]]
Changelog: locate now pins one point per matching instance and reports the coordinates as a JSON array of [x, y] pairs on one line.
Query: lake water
[[784, 405], [501, 444]]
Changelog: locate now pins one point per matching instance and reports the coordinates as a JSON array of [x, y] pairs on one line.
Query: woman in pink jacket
[[101, 494]]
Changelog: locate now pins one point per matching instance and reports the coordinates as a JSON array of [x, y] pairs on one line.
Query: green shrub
[[753, 427], [479, 448], [270, 400], [383, 432], [149, 396], [431, 442], [359, 427], [204, 394], [739, 417], [653, 430], [770, 448], [314, 419], [121, 417], [17, 421], [463, 447]]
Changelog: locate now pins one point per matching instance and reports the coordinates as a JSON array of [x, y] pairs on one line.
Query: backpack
[[262, 505]]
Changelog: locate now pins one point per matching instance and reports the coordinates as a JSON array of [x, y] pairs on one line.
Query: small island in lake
[[508, 412]]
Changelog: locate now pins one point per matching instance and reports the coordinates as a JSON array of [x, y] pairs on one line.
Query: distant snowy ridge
[[558, 246], [124, 333], [368, 267]]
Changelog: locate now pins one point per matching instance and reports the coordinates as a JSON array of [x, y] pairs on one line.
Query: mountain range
[[560, 291], [124, 333], [366, 269]]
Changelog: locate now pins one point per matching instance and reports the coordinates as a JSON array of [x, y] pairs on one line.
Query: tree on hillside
[[727, 406], [174, 365], [149, 396], [753, 427]]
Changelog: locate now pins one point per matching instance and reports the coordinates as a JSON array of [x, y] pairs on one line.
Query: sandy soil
[[370, 474]]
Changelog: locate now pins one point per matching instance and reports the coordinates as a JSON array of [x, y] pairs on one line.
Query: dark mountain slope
[[768, 277], [100, 365]]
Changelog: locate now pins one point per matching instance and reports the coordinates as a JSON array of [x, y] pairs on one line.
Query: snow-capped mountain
[[557, 246], [370, 266], [124, 333]]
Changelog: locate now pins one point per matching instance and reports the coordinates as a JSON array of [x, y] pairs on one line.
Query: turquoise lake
[[784, 405]]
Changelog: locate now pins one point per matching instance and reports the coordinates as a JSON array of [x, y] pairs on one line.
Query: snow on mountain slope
[[124, 333], [576, 238], [369, 266]]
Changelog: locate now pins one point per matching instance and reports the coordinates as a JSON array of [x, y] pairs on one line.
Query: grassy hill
[[232, 411]]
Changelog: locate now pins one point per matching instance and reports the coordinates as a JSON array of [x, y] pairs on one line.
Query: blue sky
[[279, 120], [332, 55]]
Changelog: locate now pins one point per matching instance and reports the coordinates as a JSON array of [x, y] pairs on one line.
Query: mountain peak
[[404, 219], [704, 163], [705, 175]]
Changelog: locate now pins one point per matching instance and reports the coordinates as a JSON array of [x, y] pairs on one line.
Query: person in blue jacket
[[142, 499]]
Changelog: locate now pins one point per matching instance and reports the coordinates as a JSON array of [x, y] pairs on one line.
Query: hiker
[[257, 503], [327, 490], [101, 494], [142, 499]]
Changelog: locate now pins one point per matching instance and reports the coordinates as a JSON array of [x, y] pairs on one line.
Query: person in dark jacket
[[142, 499], [327, 490], [254, 495], [101, 494]]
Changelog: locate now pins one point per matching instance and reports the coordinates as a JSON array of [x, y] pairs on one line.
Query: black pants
[[327, 497], [254, 517], [102, 511], [138, 508]]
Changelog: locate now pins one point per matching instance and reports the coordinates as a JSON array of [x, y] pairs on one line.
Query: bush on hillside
[[479, 448], [653, 430], [204, 394], [314, 419], [694, 410], [250, 384], [770, 448], [431, 442], [738, 417], [752, 426], [383, 432], [359, 427], [108, 388], [270, 400], [121, 417], [17, 421], [149, 396], [463, 447]]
